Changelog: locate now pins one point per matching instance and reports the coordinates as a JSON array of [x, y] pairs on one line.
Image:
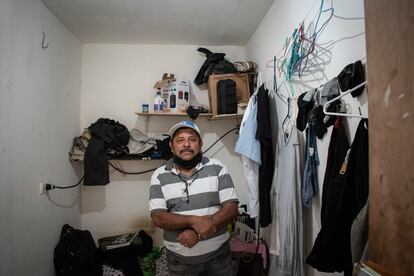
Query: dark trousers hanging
[[344, 194], [266, 169]]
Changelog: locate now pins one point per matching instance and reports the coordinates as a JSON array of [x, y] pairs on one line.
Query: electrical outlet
[[42, 188]]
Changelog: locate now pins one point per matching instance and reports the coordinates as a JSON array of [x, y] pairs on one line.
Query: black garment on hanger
[[338, 147], [309, 112], [318, 116], [304, 108], [352, 75], [343, 197], [266, 169]]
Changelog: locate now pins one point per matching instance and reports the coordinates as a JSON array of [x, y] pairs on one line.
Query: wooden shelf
[[128, 158], [211, 117], [135, 158], [170, 114], [226, 116]]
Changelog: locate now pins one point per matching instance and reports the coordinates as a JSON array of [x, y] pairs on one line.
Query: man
[[192, 199]]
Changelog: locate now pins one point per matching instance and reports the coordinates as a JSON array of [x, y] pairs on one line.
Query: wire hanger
[[283, 52], [260, 80], [326, 105], [275, 88]]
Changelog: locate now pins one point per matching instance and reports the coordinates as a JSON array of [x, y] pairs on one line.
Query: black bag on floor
[[226, 97], [76, 254]]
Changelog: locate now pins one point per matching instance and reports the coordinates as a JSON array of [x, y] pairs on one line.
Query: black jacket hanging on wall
[[344, 194], [107, 136], [266, 169], [215, 63], [352, 75]]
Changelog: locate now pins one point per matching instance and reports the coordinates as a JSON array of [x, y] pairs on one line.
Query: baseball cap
[[184, 124]]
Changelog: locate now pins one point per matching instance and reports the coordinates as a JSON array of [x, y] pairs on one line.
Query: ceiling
[[207, 22]]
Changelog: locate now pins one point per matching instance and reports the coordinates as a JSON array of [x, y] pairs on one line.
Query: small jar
[[145, 108]]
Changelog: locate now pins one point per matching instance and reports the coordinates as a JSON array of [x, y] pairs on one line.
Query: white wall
[[116, 80], [39, 116], [345, 41], [41, 107]]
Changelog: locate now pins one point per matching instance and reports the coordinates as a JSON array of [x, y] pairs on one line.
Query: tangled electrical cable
[[150, 170], [49, 187]]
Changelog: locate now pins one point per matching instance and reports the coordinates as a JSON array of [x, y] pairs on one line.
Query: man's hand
[[188, 238], [203, 226]]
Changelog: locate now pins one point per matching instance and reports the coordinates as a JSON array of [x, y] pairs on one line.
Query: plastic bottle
[[161, 107], [173, 101], [157, 102]]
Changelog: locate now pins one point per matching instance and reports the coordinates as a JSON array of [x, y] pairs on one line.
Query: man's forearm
[[201, 224], [171, 221], [225, 215]]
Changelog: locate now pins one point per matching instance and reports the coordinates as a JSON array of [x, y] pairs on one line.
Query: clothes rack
[[343, 94]]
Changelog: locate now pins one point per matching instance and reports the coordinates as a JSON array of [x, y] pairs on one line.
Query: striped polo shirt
[[209, 188]]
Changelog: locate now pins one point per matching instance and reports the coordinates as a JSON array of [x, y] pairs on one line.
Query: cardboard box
[[242, 89], [175, 93]]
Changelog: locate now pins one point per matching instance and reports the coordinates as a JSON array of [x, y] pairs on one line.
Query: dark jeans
[[220, 265]]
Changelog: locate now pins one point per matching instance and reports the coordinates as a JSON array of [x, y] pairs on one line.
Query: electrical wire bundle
[[52, 186]]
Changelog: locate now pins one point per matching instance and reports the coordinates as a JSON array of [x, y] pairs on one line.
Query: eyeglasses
[[187, 182], [185, 197]]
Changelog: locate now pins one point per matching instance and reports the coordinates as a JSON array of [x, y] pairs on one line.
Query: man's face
[[186, 144]]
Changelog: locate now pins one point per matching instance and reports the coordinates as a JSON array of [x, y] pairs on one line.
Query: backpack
[[76, 254], [226, 97]]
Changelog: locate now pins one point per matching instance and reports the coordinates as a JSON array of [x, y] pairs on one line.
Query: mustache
[[186, 150]]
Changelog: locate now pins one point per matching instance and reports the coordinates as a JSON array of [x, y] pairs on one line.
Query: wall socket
[[42, 188]]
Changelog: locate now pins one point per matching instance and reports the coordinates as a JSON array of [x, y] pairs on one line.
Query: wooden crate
[[242, 89]]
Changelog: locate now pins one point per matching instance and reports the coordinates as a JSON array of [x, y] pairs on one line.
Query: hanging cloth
[[266, 169], [108, 137], [288, 203], [247, 144], [310, 184], [249, 148], [344, 194]]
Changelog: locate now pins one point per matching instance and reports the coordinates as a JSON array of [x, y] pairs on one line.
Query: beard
[[188, 164]]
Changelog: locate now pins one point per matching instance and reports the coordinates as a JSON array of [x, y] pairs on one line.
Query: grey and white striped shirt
[[209, 188]]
